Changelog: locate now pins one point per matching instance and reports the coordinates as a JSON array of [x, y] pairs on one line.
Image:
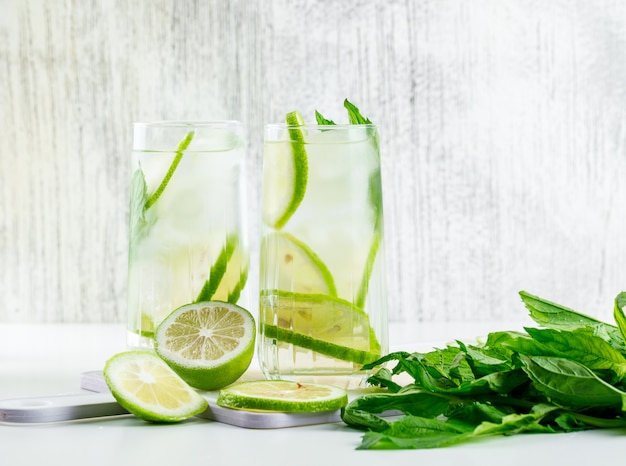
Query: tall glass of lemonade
[[322, 267], [187, 220]]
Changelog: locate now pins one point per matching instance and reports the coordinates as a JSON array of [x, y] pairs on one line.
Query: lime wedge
[[300, 270], [209, 344], [147, 387], [285, 175], [325, 324], [282, 395], [228, 274]]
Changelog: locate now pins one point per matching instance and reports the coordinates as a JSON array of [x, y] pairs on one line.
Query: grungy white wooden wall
[[503, 127]]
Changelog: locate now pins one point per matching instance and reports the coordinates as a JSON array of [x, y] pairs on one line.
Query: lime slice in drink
[[228, 274], [147, 387], [325, 324], [367, 271], [301, 270], [282, 395], [286, 173], [209, 344]]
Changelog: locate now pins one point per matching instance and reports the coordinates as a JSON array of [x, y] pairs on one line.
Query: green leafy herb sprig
[[568, 374]]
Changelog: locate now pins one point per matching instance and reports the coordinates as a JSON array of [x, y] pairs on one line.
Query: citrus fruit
[[147, 387], [361, 296], [300, 269], [282, 395], [210, 344], [228, 274], [286, 173], [325, 324]]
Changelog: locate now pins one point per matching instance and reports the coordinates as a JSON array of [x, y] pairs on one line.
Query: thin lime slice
[[283, 396], [300, 270], [367, 270], [285, 175], [209, 344], [228, 274], [325, 324], [343, 353], [147, 387]]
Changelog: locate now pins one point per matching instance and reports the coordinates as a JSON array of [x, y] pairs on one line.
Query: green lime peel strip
[[179, 155], [326, 348], [300, 164], [218, 270]]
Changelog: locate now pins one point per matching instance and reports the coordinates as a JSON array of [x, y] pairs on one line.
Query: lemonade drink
[[186, 221], [322, 275]]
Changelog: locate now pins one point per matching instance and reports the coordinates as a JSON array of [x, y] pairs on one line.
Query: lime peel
[[299, 168]]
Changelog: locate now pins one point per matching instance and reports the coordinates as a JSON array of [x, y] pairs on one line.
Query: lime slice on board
[[325, 324], [300, 269], [286, 174], [228, 274], [209, 344], [147, 387], [282, 395]]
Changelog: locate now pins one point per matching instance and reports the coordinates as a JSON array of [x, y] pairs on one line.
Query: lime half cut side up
[[301, 269], [147, 387], [286, 175], [210, 344], [283, 396]]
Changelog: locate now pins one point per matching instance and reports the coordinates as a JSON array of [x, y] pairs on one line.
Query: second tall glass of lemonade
[[322, 273], [187, 227]]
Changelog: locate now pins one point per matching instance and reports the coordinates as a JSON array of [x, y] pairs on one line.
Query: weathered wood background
[[503, 126]]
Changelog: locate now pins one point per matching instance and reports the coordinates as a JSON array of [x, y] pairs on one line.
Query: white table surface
[[48, 359]]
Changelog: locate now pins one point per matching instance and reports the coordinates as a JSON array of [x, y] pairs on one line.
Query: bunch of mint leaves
[[568, 374]]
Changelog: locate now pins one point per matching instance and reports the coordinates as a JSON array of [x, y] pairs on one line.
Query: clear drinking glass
[[187, 220], [323, 302]]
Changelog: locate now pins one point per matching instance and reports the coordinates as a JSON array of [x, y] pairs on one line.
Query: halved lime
[[228, 274], [209, 344], [147, 387], [300, 269], [285, 175], [282, 395], [322, 323]]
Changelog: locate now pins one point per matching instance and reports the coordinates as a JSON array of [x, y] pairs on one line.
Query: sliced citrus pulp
[[210, 344], [300, 269], [146, 386], [325, 324], [282, 395]]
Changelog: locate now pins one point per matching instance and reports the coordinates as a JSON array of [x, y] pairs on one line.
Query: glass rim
[[344, 126], [186, 123]]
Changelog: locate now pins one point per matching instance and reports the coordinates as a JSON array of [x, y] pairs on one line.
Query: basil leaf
[[354, 115], [580, 346], [570, 384], [321, 120], [559, 317], [618, 313]]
